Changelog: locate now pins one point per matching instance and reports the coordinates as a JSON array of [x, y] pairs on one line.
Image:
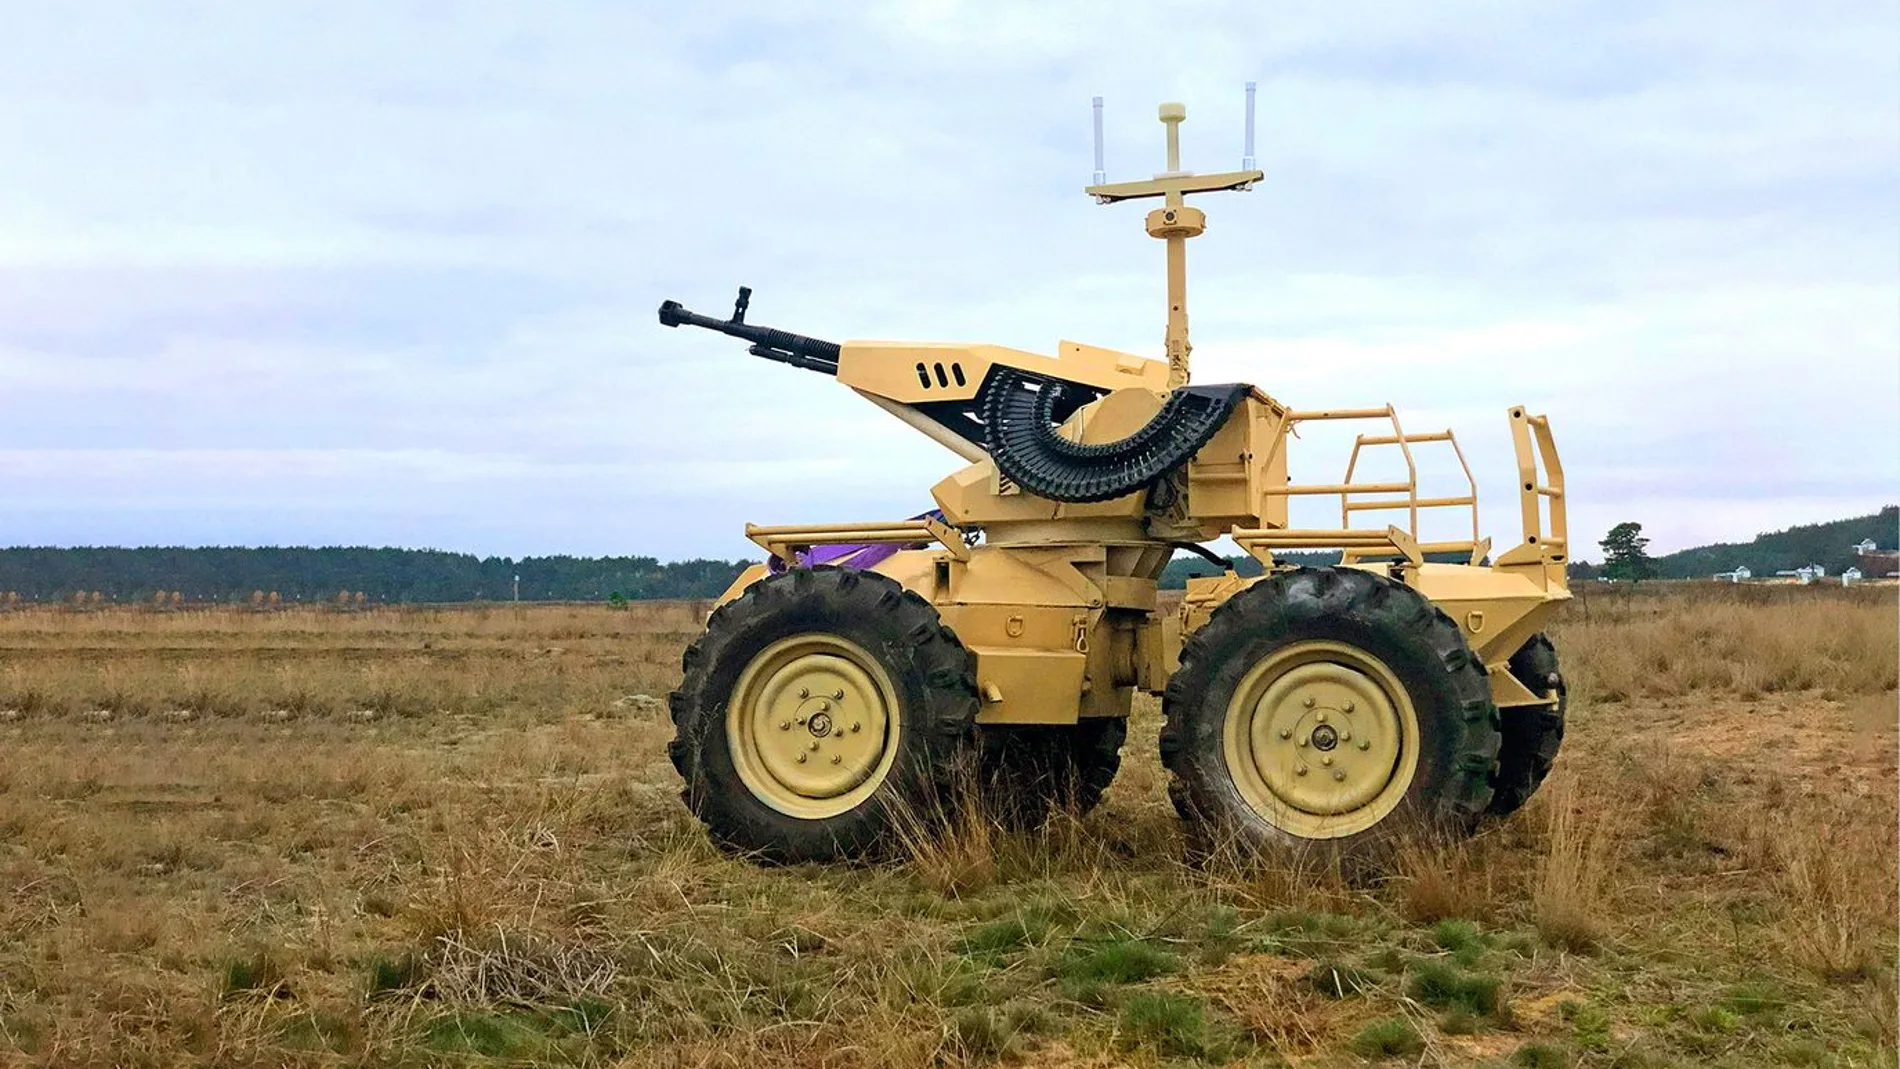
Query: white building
[[1850, 577], [1739, 575]]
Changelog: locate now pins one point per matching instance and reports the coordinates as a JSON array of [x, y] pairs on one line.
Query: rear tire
[[1328, 708], [824, 714], [1532, 733], [1030, 772]]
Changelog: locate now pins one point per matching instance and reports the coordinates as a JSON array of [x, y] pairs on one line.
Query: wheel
[[821, 714], [1032, 771], [1328, 706], [1532, 733]]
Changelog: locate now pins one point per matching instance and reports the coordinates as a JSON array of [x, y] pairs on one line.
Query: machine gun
[[1008, 412], [812, 354]]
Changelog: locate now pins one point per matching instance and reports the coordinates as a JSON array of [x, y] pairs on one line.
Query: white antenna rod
[[1246, 160], [1101, 175]]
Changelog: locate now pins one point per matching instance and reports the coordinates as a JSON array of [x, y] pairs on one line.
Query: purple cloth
[[860, 555]]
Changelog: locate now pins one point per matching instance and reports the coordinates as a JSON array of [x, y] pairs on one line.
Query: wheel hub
[[1325, 737], [810, 722], [1321, 739]]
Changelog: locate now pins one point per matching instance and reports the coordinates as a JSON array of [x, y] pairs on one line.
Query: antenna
[[1246, 156], [1100, 174], [1175, 222]]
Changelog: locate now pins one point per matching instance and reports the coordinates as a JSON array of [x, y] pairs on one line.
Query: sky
[[385, 273]]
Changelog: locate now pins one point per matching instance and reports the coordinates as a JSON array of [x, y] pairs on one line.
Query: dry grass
[[1672, 640], [451, 836], [1580, 860]]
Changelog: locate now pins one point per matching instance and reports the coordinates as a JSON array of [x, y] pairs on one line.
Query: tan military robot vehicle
[[872, 677]]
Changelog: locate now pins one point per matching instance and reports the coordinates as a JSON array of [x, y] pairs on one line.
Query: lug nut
[[1327, 760], [1300, 771], [1309, 703], [838, 695], [1320, 716], [804, 692], [801, 759], [824, 706], [1302, 742], [1338, 776], [1365, 744], [1347, 707], [855, 726], [801, 721], [837, 759], [785, 725], [1286, 733], [814, 746], [1345, 736]]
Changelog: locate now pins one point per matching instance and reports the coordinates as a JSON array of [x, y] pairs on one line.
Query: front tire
[[823, 715], [1328, 707]]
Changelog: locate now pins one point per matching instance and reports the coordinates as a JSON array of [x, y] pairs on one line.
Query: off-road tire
[[1030, 772], [1445, 682], [1532, 733], [934, 678]]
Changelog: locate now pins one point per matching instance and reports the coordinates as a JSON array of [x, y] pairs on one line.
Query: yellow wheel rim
[[1321, 739], [813, 725]]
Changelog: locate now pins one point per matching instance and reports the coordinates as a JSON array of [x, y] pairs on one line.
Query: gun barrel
[[812, 354]]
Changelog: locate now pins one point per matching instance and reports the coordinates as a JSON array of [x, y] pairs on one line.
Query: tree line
[[235, 574]]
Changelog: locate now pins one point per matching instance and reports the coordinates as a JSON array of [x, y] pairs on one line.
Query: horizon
[[280, 278], [1580, 559]]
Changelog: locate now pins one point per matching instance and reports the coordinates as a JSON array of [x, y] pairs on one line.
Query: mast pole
[[1175, 222]]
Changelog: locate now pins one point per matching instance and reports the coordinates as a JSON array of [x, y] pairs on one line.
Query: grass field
[[448, 836]]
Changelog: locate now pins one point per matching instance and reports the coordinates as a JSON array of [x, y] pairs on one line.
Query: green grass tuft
[[394, 974], [988, 1033], [583, 1015], [495, 1035], [1175, 1024], [1023, 929], [1753, 999], [1589, 1025], [1715, 1020], [258, 973], [1124, 961], [1462, 939], [1388, 1037], [1446, 987]]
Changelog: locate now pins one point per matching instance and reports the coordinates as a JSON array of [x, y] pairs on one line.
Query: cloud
[[359, 272]]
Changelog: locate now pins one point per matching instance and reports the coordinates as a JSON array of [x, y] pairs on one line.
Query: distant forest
[[321, 575], [1830, 545], [305, 575]]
